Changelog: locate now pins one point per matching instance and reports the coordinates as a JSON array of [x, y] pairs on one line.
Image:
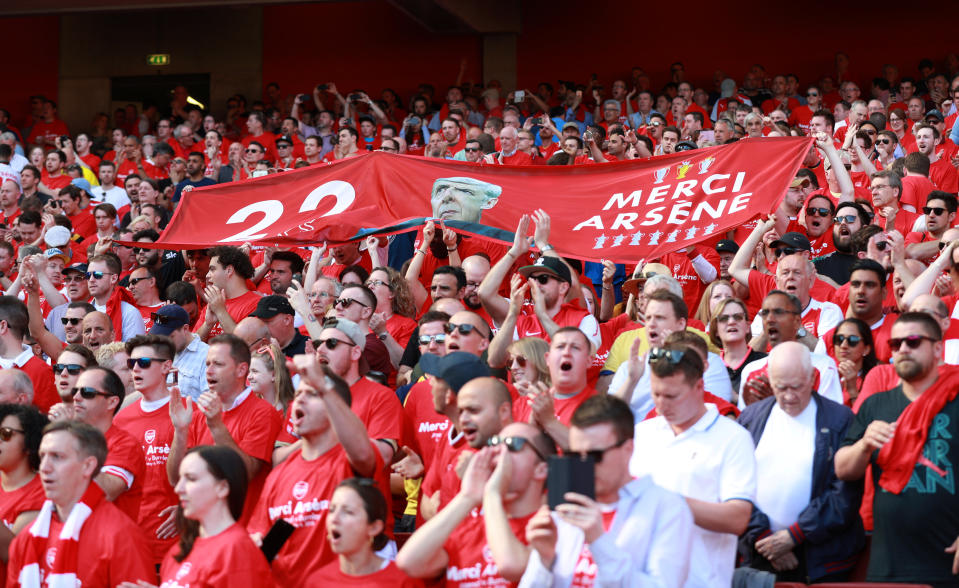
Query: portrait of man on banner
[[463, 199]]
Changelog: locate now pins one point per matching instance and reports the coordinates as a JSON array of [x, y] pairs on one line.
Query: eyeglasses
[[87, 392], [781, 251], [427, 339], [98, 275], [853, 340], [936, 210], [735, 317], [253, 151], [471, 149], [673, 356], [519, 359], [515, 444], [135, 281], [543, 279], [845, 218], [6, 433], [463, 329], [331, 343], [348, 302], [816, 211], [912, 341], [313, 295], [143, 362], [374, 283], [70, 321], [884, 141], [73, 369], [596, 455], [777, 312], [74, 278], [812, 94]]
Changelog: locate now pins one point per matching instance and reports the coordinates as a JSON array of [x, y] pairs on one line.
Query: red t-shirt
[[238, 308], [914, 191], [43, 129], [41, 374], [378, 408], [253, 425], [822, 245], [761, 284], [388, 577], [147, 313], [400, 328], [154, 430], [915, 238], [83, 223], [563, 407], [683, 271], [29, 497], [430, 428], [299, 491], [585, 569], [470, 563], [944, 176], [92, 161], [528, 325], [267, 140], [55, 183], [441, 477], [229, 558], [801, 117], [772, 104], [106, 533], [518, 158], [124, 452]]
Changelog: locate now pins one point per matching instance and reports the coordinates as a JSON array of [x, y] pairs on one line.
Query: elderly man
[[463, 199], [907, 435], [509, 153], [804, 519]]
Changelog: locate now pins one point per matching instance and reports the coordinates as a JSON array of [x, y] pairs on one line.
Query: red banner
[[620, 211]]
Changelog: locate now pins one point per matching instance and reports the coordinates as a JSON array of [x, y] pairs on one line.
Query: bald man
[[253, 331], [796, 432], [937, 309], [509, 153], [97, 330], [476, 267]]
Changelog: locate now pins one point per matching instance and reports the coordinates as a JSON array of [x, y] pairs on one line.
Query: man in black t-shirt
[[915, 529]]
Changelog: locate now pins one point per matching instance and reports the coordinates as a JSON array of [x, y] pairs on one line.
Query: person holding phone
[[589, 541]]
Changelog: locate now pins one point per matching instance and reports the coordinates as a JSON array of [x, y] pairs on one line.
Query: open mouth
[[322, 360], [772, 332], [452, 347], [566, 366]]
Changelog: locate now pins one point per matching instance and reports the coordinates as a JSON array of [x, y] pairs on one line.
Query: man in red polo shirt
[[509, 153], [941, 171], [82, 219], [53, 176], [454, 135], [228, 298]]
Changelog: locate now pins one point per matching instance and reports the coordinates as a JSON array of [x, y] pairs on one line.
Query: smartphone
[[355, 97], [303, 97], [275, 538], [322, 87], [569, 473], [414, 120], [173, 377], [537, 121], [519, 96], [707, 135], [297, 278]]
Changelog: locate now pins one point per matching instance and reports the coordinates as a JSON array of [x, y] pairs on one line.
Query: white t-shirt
[[784, 460], [712, 461]]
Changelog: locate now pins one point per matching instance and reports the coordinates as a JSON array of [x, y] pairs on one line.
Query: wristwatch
[[801, 332], [382, 336]]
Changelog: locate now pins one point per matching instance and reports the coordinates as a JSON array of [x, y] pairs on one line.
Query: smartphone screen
[[520, 95], [569, 473]]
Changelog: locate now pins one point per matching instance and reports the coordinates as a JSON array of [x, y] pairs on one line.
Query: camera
[[322, 87], [355, 97], [537, 120], [415, 120]]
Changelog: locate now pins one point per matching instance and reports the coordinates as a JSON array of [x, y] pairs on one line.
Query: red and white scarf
[[58, 554]]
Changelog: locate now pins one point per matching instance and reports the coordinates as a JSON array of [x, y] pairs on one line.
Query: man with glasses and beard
[[906, 434], [850, 217], [108, 297], [165, 266]]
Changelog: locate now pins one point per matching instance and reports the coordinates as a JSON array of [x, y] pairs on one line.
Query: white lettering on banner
[[272, 210]]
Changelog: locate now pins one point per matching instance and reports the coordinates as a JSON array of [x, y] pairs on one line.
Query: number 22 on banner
[[272, 210]]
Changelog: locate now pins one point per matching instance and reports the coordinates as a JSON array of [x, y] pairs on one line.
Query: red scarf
[[114, 309], [62, 549], [899, 456]]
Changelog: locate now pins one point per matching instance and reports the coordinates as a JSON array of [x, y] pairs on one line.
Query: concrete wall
[[223, 42]]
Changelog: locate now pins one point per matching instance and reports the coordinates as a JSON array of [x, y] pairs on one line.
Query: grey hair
[[659, 282]]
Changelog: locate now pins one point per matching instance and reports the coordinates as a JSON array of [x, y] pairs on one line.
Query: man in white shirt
[[691, 450], [109, 193]]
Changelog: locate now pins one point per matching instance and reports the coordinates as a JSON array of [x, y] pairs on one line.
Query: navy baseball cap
[[168, 319], [456, 368]]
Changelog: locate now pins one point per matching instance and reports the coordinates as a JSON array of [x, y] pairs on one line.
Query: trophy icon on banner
[[705, 163], [660, 174], [683, 169]]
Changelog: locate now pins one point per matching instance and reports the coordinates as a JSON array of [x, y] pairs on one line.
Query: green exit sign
[[158, 59]]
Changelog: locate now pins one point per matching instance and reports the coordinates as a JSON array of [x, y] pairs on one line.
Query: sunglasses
[[283, 146], [781, 251], [853, 340], [70, 321], [884, 141], [735, 317], [673, 356], [543, 279], [596, 455], [845, 218], [6, 433], [253, 151], [135, 281], [463, 329], [471, 149], [73, 369], [816, 211], [777, 312], [143, 362], [73, 278], [515, 444], [374, 283], [519, 359], [812, 94], [331, 343], [936, 210], [97, 275], [138, 251], [348, 302], [87, 392], [912, 341], [427, 339]]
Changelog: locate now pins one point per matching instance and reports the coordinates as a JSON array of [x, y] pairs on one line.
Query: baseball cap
[[57, 236], [727, 246], [799, 181], [684, 146], [352, 330], [935, 113], [76, 267], [168, 319], [83, 184], [633, 285], [456, 368], [270, 306], [571, 125], [794, 240], [284, 139], [55, 252], [551, 265]]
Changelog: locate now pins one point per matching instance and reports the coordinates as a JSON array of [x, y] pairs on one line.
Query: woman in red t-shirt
[[21, 426], [355, 528], [214, 550]]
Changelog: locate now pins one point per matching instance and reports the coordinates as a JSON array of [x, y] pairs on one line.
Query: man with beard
[[905, 434], [195, 168], [940, 214], [75, 281], [850, 217], [108, 296], [166, 266], [283, 266], [146, 295], [475, 267], [820, 212]]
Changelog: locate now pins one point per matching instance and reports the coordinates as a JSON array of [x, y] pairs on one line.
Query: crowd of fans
[[778, 403]]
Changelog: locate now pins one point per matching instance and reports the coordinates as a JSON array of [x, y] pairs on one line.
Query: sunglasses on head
[[853, 340], [912, 341], [348, 302], [816, 211], [70, 321], [143, 362], [936, 210], [463, 329], [735, 317], [427, 339], [673, 356], [543, 279], [331, 343], [97, 275], [515, 444], [781, 251], [6, 433], [73, 369], [87, 392]]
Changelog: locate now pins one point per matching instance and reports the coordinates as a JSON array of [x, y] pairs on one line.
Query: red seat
[[869, 585], [790, 585]]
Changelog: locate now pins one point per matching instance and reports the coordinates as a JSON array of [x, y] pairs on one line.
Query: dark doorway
[[158, 90]]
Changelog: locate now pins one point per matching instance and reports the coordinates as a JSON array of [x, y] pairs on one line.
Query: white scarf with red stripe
[[58, 554]]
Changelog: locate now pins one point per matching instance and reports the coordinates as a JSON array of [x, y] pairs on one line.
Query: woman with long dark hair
[[855, 354]]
